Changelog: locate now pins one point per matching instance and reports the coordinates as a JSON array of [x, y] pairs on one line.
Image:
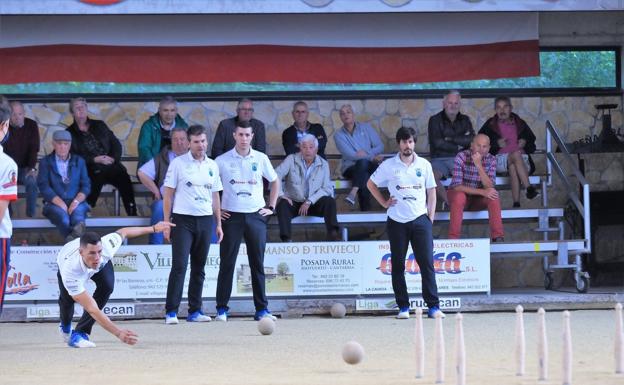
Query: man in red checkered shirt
[[472, 188]]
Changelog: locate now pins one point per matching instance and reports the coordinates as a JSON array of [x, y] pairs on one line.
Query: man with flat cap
[[64, 184]]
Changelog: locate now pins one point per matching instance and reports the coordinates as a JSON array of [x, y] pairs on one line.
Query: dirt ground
[[304, 351]]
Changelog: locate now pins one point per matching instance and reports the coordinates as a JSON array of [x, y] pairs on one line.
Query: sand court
[[307, 351]]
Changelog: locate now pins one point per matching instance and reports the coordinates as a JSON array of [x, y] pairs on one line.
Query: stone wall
[[575, 117]]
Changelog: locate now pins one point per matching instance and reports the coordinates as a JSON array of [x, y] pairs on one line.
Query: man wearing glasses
[[224, 138]]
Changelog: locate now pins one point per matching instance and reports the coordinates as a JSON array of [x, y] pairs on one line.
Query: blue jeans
[[63, 221], [30, 183], [157, 216]]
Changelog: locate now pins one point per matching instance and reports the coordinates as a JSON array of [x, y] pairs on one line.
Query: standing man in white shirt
[[191, 197], [8, 193], [245, 214], [89, 257], [411, 209]]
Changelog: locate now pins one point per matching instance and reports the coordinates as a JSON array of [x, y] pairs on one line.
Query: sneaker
[[222, 315], [171, 318], [264, 313], [78, 230], [198, 316], [498, 239], [65, 332], [516, 205], [531, 192], [403, 313], [433, 311], [80, 340], [350, 199]]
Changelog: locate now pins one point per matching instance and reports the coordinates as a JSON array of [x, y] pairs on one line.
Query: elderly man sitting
[[307, 189], [64, 183], [152, 175]]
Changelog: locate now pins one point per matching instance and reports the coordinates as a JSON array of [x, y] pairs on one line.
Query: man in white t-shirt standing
[[244, 214], [8, 193], [89, 257], [411, 209], [191, 197]]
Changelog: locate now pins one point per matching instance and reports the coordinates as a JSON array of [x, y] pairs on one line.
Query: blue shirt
[[364, 137]]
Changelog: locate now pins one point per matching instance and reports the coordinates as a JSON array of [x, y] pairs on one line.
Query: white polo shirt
[[408, 184], [194, 182], [8, 190], [242, 180], [74, 272]]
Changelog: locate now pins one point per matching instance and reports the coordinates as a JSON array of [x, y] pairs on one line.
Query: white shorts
[[501, 163]]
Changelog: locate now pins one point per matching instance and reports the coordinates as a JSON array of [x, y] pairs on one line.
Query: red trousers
[[460, 201]]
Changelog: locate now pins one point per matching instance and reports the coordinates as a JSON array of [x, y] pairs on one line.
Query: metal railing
[[581, 204]]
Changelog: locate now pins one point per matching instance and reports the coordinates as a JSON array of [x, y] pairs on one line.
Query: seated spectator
[[361, 151], [472, 188], [512, 142], [224, 137], [306, 189], [23, 146], [449, 132], [301, 127], [64, 183], [156, 131], [97, 144], [152, 175]]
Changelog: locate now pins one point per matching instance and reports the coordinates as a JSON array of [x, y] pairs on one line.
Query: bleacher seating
[[543, 247]]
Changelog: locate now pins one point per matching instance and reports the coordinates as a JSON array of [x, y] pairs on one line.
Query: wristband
[[154, 228], [270, 208]]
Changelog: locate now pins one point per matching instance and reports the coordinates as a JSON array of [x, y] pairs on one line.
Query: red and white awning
[[353, 48]]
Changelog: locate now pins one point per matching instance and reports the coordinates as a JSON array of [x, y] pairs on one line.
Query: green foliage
[[283, 268], [559, 69]]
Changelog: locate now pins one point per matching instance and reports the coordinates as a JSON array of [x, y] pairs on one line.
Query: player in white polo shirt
[[191, 196], [411, 209], [244, 214], [8, 193], [89, 257]]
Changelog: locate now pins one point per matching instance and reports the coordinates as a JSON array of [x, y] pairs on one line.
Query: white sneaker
[[171, 318], [434, 311], [64, 335], [264, 313], [403, 313], [198, 316], [221, 317], [80, 340]]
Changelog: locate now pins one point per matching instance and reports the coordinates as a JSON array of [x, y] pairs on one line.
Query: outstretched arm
[[88, 303], [131, 232]]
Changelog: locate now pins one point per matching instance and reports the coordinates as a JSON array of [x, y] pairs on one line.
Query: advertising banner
[[291, 270], [461, 265]]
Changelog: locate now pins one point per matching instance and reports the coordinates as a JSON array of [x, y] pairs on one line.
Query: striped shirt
[[465, 172]]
